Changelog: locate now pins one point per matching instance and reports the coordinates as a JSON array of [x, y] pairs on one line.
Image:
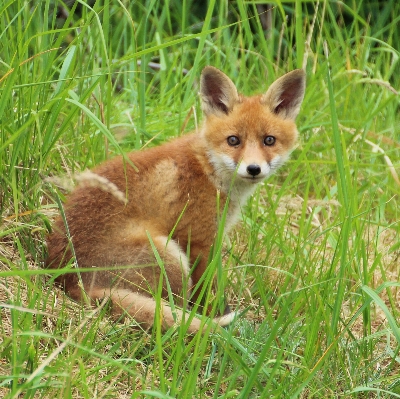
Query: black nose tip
[[253, 170]]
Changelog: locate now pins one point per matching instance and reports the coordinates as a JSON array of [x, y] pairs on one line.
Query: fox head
[[248, 138]]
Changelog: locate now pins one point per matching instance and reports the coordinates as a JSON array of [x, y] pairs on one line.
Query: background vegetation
[[314, 266]]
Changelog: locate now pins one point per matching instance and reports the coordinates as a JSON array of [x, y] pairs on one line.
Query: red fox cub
[[115, 219]]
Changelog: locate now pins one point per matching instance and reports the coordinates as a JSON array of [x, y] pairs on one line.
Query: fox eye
[[233, 141], [269, 140]]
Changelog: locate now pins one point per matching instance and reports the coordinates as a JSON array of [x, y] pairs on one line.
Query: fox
[[162, 202]]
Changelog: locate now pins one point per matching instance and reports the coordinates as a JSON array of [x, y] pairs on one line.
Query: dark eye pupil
[[269, 140], [233, 140]]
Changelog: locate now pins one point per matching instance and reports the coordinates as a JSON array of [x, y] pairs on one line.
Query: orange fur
[[179, 179]]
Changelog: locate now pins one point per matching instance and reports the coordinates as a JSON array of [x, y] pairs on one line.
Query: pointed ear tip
[[298, 77], [301, 73], [209, 69], [298, 70]]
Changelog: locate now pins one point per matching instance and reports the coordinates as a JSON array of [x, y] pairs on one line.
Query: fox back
[[163, 200]]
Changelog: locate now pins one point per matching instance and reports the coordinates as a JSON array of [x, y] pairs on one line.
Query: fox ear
[[218, 93], [285, 95]]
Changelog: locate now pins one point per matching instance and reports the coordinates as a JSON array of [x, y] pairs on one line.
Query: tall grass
[[313, 270]]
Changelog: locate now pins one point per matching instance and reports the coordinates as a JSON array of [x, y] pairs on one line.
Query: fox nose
[[253, 170]]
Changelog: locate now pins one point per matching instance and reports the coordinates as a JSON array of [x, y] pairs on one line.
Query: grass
[[314, 267]]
